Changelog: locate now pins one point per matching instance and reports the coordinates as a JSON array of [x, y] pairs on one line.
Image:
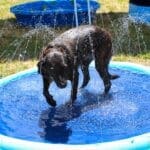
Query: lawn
[[20, 47]]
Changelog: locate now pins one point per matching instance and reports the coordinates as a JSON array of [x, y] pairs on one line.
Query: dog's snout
[[61, 82], [39, 66], [63, 85]]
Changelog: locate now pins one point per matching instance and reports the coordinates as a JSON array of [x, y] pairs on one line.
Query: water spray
[[76, 13], [75, 69], [89, 12]]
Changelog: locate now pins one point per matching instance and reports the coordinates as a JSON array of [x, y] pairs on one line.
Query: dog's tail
[[112, 77]]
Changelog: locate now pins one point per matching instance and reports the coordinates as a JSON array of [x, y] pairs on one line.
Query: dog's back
[[87, 40]]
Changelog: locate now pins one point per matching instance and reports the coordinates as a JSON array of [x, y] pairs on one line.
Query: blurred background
[[20, 46]]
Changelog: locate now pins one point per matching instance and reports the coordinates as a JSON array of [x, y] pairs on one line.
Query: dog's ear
[[39, 65]]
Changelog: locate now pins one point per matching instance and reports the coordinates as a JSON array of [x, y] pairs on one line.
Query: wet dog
[[60, 59]]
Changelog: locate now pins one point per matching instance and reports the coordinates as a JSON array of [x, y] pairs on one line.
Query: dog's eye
[[51, 68]]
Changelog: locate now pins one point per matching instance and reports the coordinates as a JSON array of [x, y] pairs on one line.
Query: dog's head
[[53, 66]]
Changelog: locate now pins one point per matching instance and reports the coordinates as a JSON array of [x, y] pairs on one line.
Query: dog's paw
[[107, 88], [69, 103], [113, 77], [52, 102], [82, 86]]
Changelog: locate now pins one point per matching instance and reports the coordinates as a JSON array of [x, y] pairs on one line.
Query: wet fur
[[60, 59]]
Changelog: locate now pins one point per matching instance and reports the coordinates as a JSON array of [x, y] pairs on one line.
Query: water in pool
[[93, 118]]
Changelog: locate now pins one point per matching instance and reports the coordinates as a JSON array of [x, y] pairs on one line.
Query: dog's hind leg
[[107, 60], [113, 77], [74, 81], [86, 75], [103, 70], [74, 86]]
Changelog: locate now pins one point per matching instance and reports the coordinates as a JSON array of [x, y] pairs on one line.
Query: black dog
[[59, 61]]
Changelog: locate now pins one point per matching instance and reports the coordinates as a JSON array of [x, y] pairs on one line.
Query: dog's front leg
[[74, 88], [49, 98], [74, 83]]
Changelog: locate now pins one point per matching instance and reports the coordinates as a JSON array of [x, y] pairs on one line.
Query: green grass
[[20, 47]]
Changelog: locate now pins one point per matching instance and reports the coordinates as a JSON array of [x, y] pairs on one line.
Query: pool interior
[[93, 118]]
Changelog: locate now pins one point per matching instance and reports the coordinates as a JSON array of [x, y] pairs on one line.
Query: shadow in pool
[[55, 128], [54, 120]]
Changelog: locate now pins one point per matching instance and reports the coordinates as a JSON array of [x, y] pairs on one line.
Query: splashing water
[[76, 13], [89, 12], [40, 36]]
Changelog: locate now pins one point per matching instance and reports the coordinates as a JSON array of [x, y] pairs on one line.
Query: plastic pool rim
[[137, 142]]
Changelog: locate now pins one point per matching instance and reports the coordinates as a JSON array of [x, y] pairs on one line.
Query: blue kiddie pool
[[118, 121], [139, 11], [54, 12]]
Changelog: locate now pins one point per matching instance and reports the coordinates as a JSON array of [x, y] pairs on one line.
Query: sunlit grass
[[5, 7], [108, 6], [11, 67], [139, 59]]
